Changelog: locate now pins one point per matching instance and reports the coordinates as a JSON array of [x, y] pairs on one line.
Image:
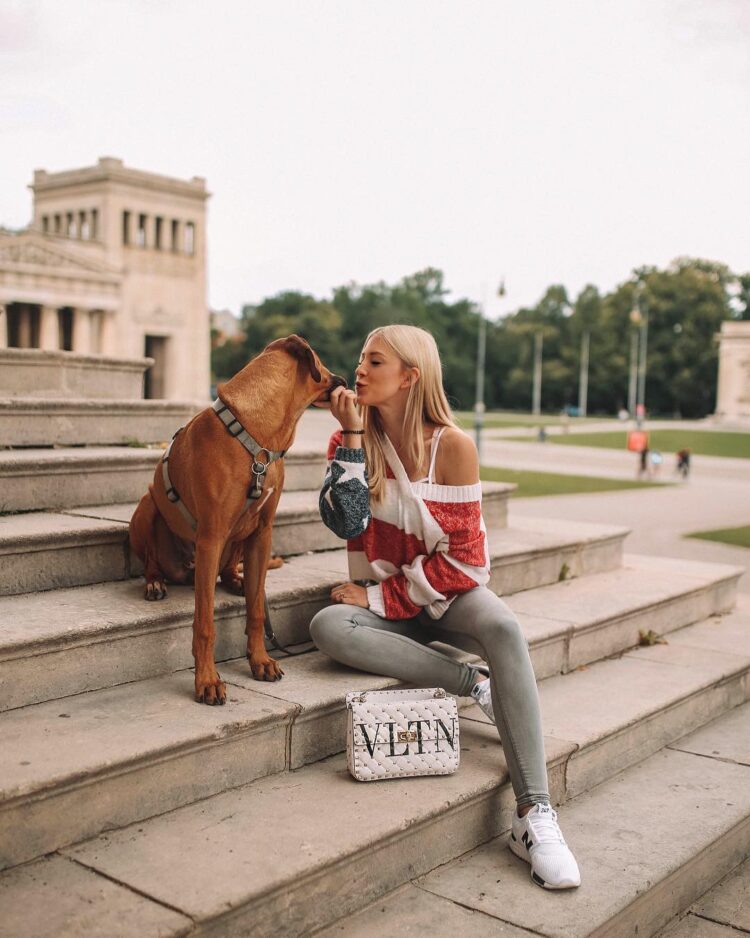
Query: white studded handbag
[[398, 733]]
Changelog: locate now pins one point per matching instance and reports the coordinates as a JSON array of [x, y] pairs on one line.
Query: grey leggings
[[478, 622]]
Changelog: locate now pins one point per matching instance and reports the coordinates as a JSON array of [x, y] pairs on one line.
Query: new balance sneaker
[[483, 696], [537, 839]]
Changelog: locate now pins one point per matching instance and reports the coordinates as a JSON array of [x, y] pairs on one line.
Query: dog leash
[[268, 628]]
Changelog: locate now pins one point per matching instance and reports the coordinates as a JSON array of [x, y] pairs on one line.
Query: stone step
[[299, 871], [44, 550], [649, 841], [39, 422], [37, 479], [722, 912], [53, 375], [66, 641]]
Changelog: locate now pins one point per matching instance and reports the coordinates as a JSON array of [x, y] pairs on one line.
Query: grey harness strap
[[235, 429], [259, 474], [172, 493]]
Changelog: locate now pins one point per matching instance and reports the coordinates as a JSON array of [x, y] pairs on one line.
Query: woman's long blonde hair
[[426, 401]]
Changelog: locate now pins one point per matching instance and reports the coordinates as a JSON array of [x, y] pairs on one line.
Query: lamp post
[[635, 319], [638, 347], [583, 380], [641, 406], [479, 395], [481, 355], [536, 393]]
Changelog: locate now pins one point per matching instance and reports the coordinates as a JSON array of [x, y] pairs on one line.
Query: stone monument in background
[[733, 394], [113, 264]]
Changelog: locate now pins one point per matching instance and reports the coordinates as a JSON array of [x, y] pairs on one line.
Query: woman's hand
[[351, 594], [344, 408]]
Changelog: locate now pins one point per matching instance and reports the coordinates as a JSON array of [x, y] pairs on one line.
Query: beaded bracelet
[[353, 432]]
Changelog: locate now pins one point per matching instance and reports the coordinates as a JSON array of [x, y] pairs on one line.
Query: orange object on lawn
[[637, 441]]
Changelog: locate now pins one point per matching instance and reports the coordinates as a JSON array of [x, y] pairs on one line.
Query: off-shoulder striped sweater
[[420, 547]]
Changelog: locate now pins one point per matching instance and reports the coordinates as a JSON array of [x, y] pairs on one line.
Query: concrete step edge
[[300, 505], [51, 665], [446, 898], [36, 459], [320, 728], [15, 406], [298, 529], [321, 569], [417, 837], [64, 477]]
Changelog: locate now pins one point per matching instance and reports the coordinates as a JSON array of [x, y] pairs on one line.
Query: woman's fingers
[[344, 406], [338, 400], [351, 594]]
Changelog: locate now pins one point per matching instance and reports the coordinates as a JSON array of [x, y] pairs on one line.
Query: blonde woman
[[403, 489]]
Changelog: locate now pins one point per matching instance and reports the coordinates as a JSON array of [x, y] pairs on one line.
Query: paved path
[[597, 461], [716, 496]]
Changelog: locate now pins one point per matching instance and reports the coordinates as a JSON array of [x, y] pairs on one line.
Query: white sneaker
[[537, 839], [483, 696]]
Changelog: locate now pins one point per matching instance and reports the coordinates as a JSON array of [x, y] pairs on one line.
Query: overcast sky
[[546, 141]]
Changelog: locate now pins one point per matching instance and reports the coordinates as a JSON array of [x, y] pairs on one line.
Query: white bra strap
[[434, 443]]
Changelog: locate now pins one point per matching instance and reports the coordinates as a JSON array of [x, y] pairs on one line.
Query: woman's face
[[380, 374]]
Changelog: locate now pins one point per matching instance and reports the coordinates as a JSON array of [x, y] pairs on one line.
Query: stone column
[[107, 336], [49, 329], [82, 331], [3, 326]]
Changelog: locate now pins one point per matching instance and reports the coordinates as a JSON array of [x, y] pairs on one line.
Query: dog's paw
[[234, 584], [275, 562], [156, 589], [265, 669], [212, 692]]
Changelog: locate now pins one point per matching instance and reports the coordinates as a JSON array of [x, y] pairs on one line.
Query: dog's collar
[[235, 429]]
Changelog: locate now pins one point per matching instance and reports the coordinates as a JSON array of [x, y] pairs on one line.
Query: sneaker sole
[[522, 853]]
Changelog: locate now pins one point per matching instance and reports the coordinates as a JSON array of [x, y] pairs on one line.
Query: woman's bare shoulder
[[457, 459]]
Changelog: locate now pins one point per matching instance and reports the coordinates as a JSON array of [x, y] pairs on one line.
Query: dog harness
[[234, 429], [259, 469]]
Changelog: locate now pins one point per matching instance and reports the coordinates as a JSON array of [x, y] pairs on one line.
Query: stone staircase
[[127, 809], [65, 399]]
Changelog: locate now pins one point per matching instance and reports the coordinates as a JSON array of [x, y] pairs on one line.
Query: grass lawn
[[737, 537], [495, 420], [531, 484], [700, 442]]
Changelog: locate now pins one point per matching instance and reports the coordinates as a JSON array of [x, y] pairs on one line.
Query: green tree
[[685, 305]]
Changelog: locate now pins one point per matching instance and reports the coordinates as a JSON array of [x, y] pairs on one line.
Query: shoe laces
[[481, 692], [543, 822]]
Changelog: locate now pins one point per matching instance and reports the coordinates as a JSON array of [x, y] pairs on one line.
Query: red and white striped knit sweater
[[424, 544]]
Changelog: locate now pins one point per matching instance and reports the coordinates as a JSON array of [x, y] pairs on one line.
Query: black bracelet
[[353, 432]]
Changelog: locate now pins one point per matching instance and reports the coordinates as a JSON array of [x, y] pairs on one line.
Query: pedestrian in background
[[643, 462], [683, 463]]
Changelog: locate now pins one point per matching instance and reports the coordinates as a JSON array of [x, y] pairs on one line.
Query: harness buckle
[[229, 428], [172, 494]]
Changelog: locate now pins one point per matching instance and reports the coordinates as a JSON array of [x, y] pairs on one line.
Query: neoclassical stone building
[[113, 263], [733, 396]]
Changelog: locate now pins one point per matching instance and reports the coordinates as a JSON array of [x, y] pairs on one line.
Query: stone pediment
[[35, 250]]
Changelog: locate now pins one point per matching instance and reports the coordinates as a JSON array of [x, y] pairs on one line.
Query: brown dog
[[222, 501]]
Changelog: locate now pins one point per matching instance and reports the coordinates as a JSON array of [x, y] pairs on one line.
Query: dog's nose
[[338, 382]]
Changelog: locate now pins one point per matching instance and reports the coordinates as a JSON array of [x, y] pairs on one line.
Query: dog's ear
[[297, 346]]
